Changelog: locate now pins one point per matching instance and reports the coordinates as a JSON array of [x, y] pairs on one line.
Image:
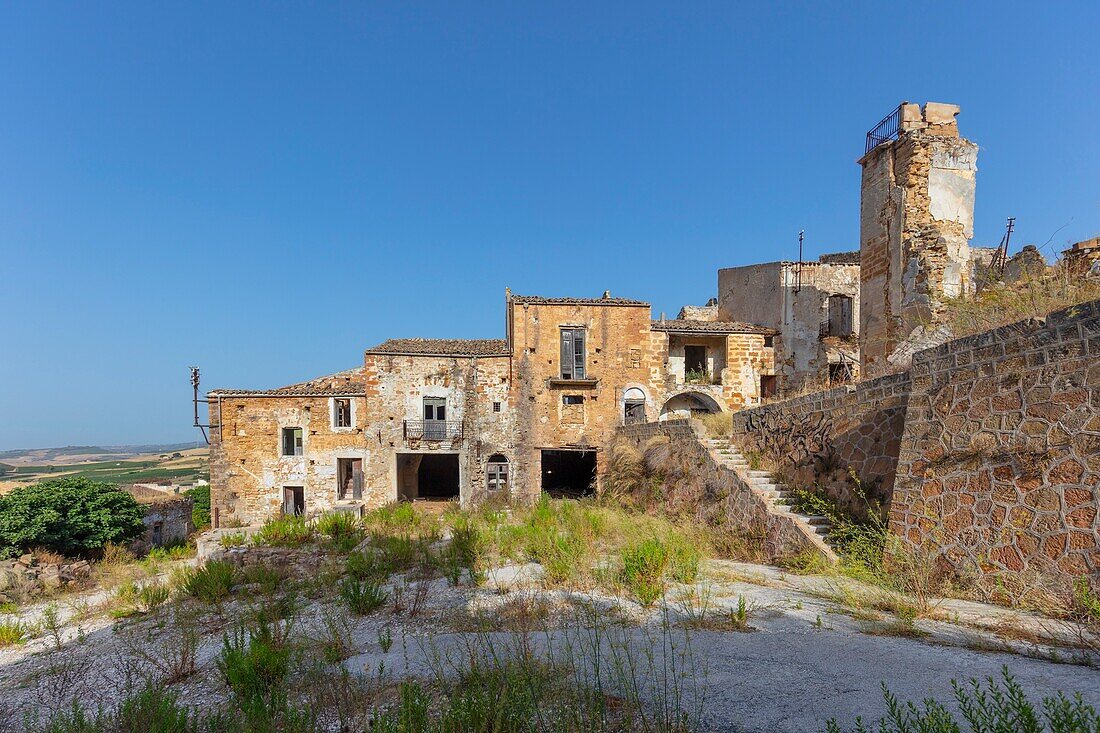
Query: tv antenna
[[798, 273], [196, 401]]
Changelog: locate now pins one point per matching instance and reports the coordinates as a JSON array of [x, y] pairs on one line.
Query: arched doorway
[[633, 406], [686, 404]]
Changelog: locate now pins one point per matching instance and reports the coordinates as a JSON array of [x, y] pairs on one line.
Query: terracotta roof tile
[[540, 300], [681, 324], [346, 383], [441, 347]]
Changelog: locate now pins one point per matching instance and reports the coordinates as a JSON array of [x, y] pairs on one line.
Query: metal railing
[[886, 130], [431, 430]]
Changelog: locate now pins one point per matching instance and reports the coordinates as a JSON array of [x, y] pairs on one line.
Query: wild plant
[[362, 597], [211, 583], [12, 632]]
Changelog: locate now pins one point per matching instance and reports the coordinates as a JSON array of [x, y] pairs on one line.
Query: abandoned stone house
[[466, 419], [813, 306]]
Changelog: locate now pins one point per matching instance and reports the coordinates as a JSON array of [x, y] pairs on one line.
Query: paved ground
[[808, 659]]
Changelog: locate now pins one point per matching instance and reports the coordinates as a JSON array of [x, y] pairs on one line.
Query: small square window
[[572, 399], [292, 441], [341, 413], [496, 407], [769, 342]]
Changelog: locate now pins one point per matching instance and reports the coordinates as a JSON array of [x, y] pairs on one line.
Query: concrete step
[[818, 520]]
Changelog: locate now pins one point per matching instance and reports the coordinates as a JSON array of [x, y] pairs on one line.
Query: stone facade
[[916, 220], [167, 518], [814, 307], [1000, 458], [472, 419]]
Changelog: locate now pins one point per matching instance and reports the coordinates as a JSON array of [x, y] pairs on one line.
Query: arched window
[[633, 406], [496, 473]]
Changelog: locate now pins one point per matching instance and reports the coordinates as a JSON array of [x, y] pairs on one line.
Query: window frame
[[498, 472], [573, 366], [298, 447], [334, 411]]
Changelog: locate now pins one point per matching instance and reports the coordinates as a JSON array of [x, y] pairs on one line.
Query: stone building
[[477, 418], [916, 220], [167, 518], [814, 307]]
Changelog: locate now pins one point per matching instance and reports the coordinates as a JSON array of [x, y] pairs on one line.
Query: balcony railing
[[431, 430], [887, 129]]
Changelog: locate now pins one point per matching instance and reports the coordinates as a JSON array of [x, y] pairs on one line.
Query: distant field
[[187, 466]]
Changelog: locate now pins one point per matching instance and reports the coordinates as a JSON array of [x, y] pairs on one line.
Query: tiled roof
[[346, 383], [442, 347], [680, 324], [540, 300]]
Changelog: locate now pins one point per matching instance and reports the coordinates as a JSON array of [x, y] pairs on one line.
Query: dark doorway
[[349, 478], [695, 363], [294, 500], [427, 476], [569, 473]]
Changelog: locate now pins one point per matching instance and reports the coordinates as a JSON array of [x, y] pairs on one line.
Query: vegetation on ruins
[[200, 507], [70, 516], [1033, 295]]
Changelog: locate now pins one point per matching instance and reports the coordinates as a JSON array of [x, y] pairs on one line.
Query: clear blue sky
[[267, 190]]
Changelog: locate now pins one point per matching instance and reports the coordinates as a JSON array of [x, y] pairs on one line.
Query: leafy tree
[[200, 512], [67, 515]]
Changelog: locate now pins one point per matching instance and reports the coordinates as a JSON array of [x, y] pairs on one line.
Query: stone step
[[817, 520]]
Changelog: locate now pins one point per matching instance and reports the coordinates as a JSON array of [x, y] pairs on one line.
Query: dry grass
[[1034, 296]]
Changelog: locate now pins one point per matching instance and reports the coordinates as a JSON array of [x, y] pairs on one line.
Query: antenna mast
[[798, 274], [196, 401]]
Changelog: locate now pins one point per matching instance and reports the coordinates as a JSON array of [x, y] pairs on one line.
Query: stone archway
[[686, 404]]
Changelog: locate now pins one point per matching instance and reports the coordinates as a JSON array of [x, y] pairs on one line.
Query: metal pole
[[798, 276]]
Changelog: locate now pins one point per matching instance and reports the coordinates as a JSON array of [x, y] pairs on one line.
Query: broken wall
[[916, 220]]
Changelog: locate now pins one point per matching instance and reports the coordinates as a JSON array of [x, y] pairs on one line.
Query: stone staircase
[[763, 484]]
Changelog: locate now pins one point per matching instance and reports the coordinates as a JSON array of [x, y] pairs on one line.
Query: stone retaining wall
[[1000, 457], [854, 426], [783, 537]]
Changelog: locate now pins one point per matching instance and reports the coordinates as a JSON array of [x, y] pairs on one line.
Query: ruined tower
[[916, 217]]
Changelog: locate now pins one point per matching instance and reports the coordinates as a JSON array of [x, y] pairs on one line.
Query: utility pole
[[1000, 257], [798, 275]]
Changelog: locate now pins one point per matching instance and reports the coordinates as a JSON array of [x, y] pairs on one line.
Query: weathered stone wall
[[916, 219], [770, 295], [247, 468], [782, 536], [396, 386], [173, 514], [620, 354], [854, 426], [1000, 458]]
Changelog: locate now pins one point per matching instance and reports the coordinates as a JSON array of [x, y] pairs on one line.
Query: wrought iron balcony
[[431, 430], [888, 128]]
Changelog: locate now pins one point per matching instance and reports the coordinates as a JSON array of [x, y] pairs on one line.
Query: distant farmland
[[187, 466]]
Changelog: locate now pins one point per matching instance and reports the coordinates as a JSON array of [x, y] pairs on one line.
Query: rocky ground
[[806, 648]]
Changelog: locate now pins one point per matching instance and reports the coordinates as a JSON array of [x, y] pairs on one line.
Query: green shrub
[[288, 531], [341, 528], [254, 668], [152, 596], [68, 515], [367, 566], [469, 548], [267, 579], [684, 558], [644, 566], [998, 705], [200, 508], [211, 583], [172, 551], [154, 710], [233, 539], [12, 633], [361, 597]]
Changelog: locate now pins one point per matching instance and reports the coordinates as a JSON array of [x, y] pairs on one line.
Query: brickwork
[[916, 219], [855, 426], [503, 400], [1000, 458], [247, 469], [794, 300]]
